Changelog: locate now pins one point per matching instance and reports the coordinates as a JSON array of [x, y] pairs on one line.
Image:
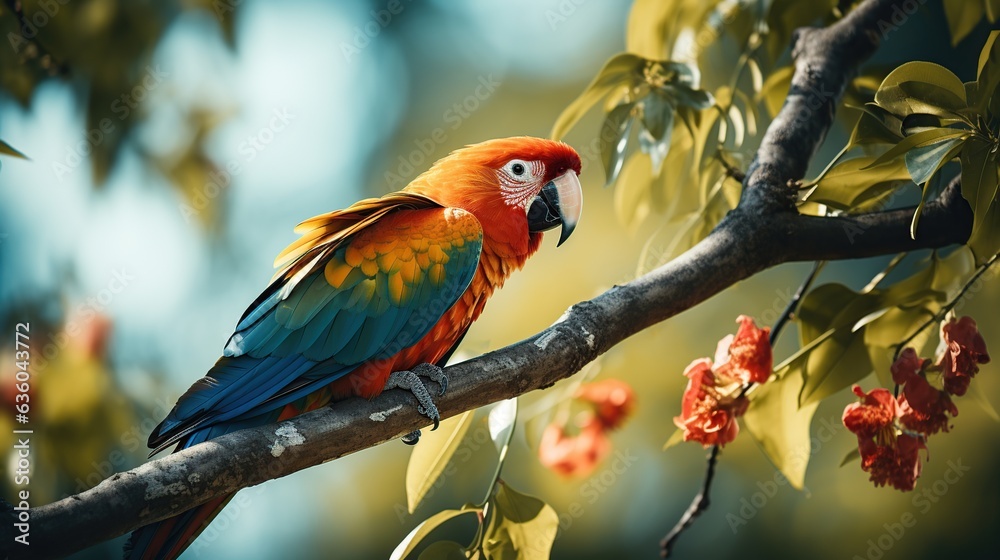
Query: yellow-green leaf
[[992, 10], [431, 456], [980, 182], [876, 126], [614, 140], [420, 532], [853, 455], [781, 426], [674, 439], [855, 181], [775, 89], [501, 423], [632, 193], [962, 15], [443, 550], [521, 527], [842, 359], [921, 87], [6, 148], [920, 139], [620, 71], [981, 92], [923, 163]]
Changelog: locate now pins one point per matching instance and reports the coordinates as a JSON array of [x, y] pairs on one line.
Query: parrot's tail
[[167, 539]]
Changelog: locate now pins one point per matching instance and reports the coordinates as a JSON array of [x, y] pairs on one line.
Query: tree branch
[[764, 230]]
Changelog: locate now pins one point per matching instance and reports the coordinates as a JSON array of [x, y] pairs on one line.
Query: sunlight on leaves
[[781, 427], [420, 532], [429, 459], [521, 527]]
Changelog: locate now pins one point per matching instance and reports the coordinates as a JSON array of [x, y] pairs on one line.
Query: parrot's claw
[[434, 373], [410, 381], [411, 438]]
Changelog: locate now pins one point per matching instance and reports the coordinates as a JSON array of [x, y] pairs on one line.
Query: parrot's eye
[[520, 171]]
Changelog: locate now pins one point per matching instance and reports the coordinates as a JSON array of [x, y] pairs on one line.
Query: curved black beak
[[559, 202]]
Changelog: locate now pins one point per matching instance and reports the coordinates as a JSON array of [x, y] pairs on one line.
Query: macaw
[[372, 296]]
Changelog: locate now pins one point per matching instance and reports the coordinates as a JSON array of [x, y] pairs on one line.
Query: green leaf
[[981, 92], [921, 87], [658, 115], [852, 455], [962, 15], [420, 532], [6, 148], [781, 426], [521, 527], [614, 140], [632, 192], [428, 460], [992, 10], [620, 71], [690, 97], [923, 163], [920, 139], [876, 126], [854, 181], [674, 439], [775, 89], [980, 182], [756, 77], [501, 424]]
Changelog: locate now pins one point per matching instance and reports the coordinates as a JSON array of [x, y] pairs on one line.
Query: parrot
[[372, 297]]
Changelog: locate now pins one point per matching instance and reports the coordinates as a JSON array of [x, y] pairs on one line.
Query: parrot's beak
[[559, 202]]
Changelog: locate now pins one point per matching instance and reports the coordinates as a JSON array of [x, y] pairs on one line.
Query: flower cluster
[[610, 403], [714, 398], [891, 431]]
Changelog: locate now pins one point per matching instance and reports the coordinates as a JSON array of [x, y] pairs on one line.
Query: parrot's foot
[[410, 381]]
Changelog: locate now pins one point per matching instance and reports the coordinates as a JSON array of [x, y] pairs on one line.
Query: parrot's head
[[517, 188]]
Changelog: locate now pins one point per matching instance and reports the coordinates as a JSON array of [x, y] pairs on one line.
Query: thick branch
[[763, 231]]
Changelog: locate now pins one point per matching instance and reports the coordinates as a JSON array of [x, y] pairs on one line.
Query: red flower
[[574, 455], [907, 366], [873, 415], [708, 415], [747, 355], [613, 401], [887, 456], [897, 464], [923, 407], [964, 350]]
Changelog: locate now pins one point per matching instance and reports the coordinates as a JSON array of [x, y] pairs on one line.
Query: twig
[[701, 500], [698, 505], [793, 304]]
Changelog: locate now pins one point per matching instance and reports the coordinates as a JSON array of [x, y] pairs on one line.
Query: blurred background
[[174, 151]]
